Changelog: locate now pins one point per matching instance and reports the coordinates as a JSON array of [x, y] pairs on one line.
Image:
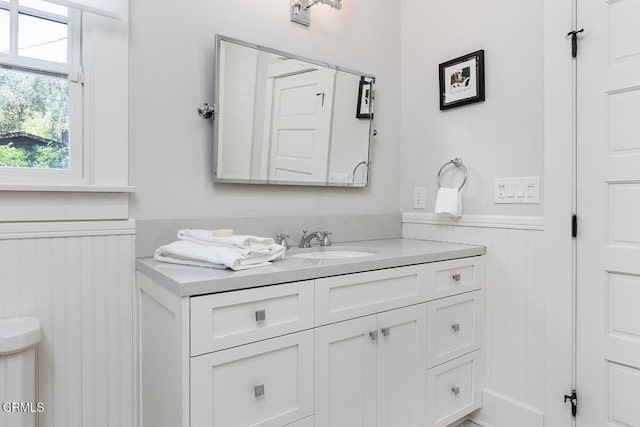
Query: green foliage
[[38, 99], [50, 156], [39, 105], [42, 156], [11, 156]]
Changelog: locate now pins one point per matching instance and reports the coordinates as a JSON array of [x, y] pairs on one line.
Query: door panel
[[402, 363], [608, 199], [345, 392], [301, 106]]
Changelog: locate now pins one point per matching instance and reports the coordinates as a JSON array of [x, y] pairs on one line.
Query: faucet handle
[[304, 236], [325, 239], [281, 239]]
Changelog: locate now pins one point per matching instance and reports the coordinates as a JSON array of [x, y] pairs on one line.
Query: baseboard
[[485, 221], [501, 411]]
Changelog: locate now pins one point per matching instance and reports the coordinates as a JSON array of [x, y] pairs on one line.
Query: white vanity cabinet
[[398, 346]]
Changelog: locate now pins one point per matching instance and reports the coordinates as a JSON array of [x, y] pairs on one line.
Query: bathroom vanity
[[390, 339]]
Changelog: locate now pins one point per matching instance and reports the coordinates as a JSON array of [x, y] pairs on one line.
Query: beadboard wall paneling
[[515, 321], [82, 290]]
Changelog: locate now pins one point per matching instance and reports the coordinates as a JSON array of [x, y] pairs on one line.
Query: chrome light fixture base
[[300, 12]]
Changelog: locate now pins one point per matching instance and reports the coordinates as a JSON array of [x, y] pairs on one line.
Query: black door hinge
[[574, 225], [574, 402], [574, 41]]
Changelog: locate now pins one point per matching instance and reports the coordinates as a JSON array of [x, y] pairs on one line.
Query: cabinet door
[[402, 363], [345, 373], [268, 383]]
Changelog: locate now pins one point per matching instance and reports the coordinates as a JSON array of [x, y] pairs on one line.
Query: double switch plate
[[517, 190]]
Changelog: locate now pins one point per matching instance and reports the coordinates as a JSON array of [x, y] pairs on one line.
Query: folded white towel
[[248, 244], [449, 202], [214, 256]]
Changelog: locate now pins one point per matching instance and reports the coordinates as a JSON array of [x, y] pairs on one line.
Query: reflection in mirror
[[284, 120]]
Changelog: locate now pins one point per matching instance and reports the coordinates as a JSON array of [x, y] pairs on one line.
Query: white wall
[[500, 137], [171, 72]]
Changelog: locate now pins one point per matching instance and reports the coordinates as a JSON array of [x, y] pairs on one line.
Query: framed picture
[[364, 110], [462, 80]]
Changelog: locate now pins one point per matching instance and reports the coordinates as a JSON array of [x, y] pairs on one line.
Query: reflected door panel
[[301, 107]]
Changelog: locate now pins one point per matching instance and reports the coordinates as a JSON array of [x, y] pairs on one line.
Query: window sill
[[65, 188]]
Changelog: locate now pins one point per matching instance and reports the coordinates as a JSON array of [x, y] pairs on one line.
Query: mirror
[[281, 119]]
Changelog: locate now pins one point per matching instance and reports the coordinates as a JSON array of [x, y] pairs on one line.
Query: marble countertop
[[188, 281]]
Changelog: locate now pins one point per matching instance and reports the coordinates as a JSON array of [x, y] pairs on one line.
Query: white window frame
[[73, 71]]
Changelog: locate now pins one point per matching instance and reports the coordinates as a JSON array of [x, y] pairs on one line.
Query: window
[[41, 92]]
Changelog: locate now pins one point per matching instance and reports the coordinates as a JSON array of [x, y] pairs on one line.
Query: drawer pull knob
[[455, 327], [258, 390], [261, 315], [455, 390], [373, 335], [386, 331], [456, 277]]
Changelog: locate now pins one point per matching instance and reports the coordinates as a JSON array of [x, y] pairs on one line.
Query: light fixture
[[300, 9]]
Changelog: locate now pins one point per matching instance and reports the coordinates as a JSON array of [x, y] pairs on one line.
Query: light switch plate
[[521, 190]]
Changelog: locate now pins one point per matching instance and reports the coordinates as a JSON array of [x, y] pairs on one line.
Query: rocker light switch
[[525, 190]]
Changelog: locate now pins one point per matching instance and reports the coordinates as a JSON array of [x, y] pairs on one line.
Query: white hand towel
[[248, 244], [190, 253], [449, 202]]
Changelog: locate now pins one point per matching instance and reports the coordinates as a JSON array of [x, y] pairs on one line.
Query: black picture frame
[[364, 108], [462, 80]]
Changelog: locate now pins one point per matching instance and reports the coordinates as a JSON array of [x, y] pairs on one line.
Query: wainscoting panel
[[515, 322], [81, 288]]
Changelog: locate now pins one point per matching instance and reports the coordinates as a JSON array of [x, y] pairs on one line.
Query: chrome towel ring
[[457, 162]]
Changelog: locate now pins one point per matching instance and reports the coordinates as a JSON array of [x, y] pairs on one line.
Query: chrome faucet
[[305, 240], [281, 239]]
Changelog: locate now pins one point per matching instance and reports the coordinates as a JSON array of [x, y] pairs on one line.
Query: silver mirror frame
[[220, 38]]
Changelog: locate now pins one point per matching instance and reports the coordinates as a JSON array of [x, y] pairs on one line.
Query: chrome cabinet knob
[[258, 390], [455, 327], [206, 110], [261, 315], [455, 277], [455, 390], [373, 335], [386, 331]]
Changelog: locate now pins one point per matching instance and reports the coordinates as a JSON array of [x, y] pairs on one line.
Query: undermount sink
[[323, 253]]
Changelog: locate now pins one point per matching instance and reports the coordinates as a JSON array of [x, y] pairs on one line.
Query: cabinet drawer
[[454, 389], [225, 320], [453, 277], [454, 326], [354, 295], [269, 383]]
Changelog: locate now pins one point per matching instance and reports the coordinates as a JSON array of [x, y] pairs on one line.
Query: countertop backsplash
[[151, 233]]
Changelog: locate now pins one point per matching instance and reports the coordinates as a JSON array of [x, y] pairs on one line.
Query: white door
[[402, 367], [608, 242], [300, 126], [345, 373]]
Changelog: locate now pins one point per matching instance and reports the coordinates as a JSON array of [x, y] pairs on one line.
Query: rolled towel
[[449, 202], [248, 244], [218, 256]]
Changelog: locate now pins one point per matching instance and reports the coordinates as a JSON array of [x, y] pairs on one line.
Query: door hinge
[[573, 398], [574, 225], [574, 41]]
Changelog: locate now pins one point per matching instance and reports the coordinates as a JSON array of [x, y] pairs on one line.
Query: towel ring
[[457, 162]]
